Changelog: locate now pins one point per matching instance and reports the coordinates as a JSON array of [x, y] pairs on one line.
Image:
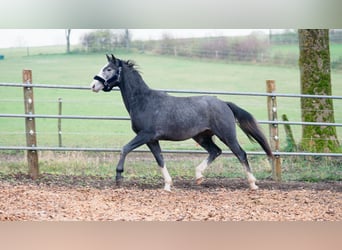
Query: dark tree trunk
[[314, 64]]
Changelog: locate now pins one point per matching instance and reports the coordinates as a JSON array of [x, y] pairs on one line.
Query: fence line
[[167, 151], [126, 118], [79, 117], [273, 122], [185, 91]]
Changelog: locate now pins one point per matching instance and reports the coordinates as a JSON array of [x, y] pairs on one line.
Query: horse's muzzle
[[96, 86]]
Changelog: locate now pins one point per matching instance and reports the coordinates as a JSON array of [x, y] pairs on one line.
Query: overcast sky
[[40, 37]]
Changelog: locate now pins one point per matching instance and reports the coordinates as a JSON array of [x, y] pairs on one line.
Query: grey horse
[[155, 116]]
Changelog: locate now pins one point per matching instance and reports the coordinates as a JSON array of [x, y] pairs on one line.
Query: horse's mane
[[132, 65]]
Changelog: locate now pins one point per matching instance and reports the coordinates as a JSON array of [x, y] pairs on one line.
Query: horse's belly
[[181, 134]]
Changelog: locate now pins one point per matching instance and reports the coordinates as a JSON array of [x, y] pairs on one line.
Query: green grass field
[[50, 66], [158, 72]]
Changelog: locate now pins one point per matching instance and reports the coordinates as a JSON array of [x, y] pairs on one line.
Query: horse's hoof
[[118, 180], [199, 181], [167, 188], [254, 187]]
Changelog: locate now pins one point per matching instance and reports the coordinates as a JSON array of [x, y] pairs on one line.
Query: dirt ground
[[74, 198]]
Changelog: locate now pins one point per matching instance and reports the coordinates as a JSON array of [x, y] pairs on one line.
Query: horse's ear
[[113, 58], [108, 58]]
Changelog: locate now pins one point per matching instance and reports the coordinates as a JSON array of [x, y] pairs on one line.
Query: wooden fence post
[[273, 128], [31, 139]]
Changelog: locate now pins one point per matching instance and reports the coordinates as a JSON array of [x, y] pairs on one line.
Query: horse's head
[[109, 76]]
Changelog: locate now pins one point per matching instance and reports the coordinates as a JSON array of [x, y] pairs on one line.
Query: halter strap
[[111, 82], [100, 79]]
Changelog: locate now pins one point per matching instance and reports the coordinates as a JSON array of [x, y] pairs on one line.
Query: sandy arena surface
[[70, 198]]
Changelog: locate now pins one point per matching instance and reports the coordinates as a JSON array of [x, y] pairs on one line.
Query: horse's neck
[[134, 91]]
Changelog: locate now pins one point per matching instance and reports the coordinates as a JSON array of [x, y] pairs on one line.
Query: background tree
[[314, 64], [99, 41], [167, 44], [67, 36], [127, 38]]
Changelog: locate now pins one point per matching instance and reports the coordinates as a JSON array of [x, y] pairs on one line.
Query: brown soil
[[57, 198]]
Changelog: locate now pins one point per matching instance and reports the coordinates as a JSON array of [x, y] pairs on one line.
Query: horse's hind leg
[[156, 151], [205, 140], [242, 156], [228, 137]]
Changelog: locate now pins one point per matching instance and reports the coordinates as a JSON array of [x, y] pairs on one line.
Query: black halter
[[111, 82]]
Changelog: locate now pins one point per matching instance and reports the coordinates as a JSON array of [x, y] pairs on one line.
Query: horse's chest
[[140, 122]]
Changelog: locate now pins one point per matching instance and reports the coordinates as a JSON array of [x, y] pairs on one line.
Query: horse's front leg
[[137, 141], [156, 151], [120, 166]]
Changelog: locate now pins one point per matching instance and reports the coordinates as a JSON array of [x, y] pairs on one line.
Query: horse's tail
[[250, 127]]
